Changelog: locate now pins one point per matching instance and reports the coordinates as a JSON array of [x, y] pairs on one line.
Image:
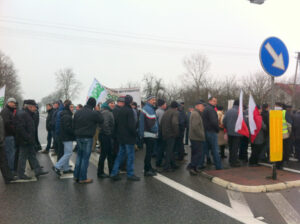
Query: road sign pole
[[272, 92]]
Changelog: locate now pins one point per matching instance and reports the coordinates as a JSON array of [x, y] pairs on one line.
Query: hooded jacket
[[85, 122], [148, 126], [107, 128]]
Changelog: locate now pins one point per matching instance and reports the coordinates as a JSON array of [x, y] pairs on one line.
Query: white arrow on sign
[[278, 59]]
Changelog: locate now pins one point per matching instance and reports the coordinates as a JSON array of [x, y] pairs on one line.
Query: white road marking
[[239, 203], [94, 159], [288, 213], [208, 201], [284, 168]]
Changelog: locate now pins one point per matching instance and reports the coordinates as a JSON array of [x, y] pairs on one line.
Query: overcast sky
[[118, 41]]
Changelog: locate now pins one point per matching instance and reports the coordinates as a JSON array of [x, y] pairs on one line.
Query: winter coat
[[115, 112], [296, 125], [53, 119], [260, 137], [25, 128], [57, 119], [210, 119], [2, 134], [85, 122], [170, 124], [148, 126], [125, 126], [66, 125], [182, 119], [49, 120], [9, 121], [196, 131], [265, 117], [108, 125], [159, 113], [230, 119]]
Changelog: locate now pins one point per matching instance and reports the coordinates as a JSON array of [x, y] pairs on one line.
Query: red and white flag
[[240, 125], [255, 119]]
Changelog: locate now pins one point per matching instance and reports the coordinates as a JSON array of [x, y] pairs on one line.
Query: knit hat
[[11, 100], [121, 99], [91, 102], [128, 99], [174, 104], [108, 101], [160, 102], [150, 97]]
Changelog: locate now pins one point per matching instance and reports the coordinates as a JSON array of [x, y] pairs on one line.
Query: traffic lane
[[51, 200]]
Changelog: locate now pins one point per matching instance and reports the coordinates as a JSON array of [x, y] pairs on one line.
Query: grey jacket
[[159, 113], [196, 131], [108, 125], [1, 132], [230, 120], [260, 137]]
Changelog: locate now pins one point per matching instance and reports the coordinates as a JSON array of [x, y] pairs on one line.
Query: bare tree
[[153, 86], [9, 78], [197, 66], [67, 84]]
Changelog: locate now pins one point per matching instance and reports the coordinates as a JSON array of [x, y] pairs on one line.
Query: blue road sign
[[274, 56]]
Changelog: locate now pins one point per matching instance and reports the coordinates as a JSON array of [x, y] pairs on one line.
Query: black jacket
[[25, 128], [265, 118], [1, 133], [210, 119], [66, 125], [108, 125], [125, 126], [9, 121], [182, 121], [85, 122], [115, 112], [296, 125], [49, 119], [53, 119]]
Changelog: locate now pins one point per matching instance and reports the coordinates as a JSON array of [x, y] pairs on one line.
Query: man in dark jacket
[[169, 126], [10, 131], [25, 135], [60, 145], [234, 138], [36, 118], [67, 136], [85, 122], [53, 119], [48, 127], [6, 173], [265, 117], [211, 125], [296, 133], [106, 139], [126, 135], [179, 146]]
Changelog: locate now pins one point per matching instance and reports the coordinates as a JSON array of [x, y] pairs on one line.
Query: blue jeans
[[10, 150], [83, 157], [212, 143], [63, 162], [129, 150]]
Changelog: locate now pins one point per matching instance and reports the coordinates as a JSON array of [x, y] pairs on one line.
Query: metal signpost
[[274, 58]]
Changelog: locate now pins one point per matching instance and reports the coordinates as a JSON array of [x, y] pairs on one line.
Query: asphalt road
[[169, 198]]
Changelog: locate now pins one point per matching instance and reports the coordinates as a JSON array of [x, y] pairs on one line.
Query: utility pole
[[295, 80]]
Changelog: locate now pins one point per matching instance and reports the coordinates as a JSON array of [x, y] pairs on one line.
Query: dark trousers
[[150, 142], [55, 146], [197, 147], [222, 150], [27, 152], [286, 152], [233, 144], [106, 152], [37, 141], [243, 154], [6, 173], [160, 151], [60, 148], [179, 148], [187, 130], [255, 152], [49, 140], [297, 149], [169, 157]]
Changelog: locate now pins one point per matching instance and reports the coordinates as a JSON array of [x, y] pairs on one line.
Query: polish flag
[[255, 119], [240, 125]]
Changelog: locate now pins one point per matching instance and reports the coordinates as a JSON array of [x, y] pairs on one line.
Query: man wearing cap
[[169, 126], [106, 139], [10, 131], [85, 122], [197, 136], [148, 129], [25, 135]]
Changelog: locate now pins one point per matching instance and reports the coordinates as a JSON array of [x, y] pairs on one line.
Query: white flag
[[2, 96], [97, 91]]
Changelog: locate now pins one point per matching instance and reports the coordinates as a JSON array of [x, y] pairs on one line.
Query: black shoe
[[45, 151], [149, 174], [41, 173], [53, 154], [185, 154], [223, 156], [68, 171], [235, 165], [102, 176], [208, 162], [165, 170], [115, 178], [133, 178], [57, 171], [24, 177], [193, 172], [175, 167]]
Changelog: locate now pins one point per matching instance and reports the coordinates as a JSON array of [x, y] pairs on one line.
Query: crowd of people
[[122, 129]]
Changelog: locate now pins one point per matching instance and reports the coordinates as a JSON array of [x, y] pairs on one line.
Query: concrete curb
[[251, 189]]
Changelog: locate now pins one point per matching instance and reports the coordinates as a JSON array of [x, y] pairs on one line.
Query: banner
[[101, 93], [2, 97]]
